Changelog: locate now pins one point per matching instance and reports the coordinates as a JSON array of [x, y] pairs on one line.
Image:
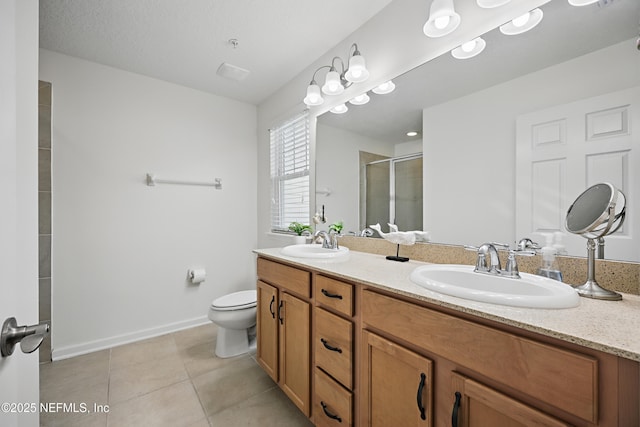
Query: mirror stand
[[591, 289]]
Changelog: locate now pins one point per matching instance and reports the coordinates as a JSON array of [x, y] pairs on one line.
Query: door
[[476, 405], [18, 202], [563, 150], [294, 350], [267, 329], [397, 385]]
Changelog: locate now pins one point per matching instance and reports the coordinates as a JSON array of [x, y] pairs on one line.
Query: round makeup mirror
[[597, 212]]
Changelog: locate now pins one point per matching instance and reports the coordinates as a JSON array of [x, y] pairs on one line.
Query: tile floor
[[174, 380]]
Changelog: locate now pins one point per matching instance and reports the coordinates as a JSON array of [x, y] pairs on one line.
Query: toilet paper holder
[[29, 337], [197, 275]]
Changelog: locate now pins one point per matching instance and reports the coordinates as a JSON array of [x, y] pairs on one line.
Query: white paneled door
[[563, 150]]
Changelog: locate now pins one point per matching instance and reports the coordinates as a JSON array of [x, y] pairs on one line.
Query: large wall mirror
[[497, 133]]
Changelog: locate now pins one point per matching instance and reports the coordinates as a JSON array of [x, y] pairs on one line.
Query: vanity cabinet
[[352, 354], [500, 374], [334, 345], [397, 387], [283, 329], [475, 404]]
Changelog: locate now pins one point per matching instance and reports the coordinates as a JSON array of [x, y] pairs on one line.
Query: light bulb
[[522, 20], [339, 109], [313, 95], [468, 46], [360, 99], [384, 88], [442, 22], [357, 71], [332, 85]]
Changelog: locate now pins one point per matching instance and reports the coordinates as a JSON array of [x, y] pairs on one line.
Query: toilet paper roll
[[197, 275]]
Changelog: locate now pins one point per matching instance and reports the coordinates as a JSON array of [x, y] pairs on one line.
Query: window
[[290, 173]]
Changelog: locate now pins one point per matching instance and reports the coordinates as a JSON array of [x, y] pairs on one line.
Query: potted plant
[[337, 227], [300, 230]]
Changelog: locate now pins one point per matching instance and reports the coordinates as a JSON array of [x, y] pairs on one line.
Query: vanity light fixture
[[384, 88], [443, 19], [469, 49], [339, 109], [582, 2], [522, 23], [336, 82], [490, 4], [360, 99]]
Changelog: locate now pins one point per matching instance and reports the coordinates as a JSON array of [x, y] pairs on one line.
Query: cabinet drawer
[[335, 294], [333, 404], [559, 377], [334, 346], [290, 278]]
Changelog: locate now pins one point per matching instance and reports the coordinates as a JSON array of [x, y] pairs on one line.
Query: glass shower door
[[393, 193]]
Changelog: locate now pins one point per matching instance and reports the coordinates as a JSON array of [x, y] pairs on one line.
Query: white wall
[[341, 149], [469, 170], [392, 43], [122, 249]]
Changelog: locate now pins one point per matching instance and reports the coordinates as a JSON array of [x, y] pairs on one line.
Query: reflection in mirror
[[392, 189], [510, 136], [597, 212]]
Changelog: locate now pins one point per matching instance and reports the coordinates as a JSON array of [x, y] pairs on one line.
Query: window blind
[[290, 172]]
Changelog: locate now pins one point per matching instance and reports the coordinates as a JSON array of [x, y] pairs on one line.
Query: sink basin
[[314, 251], [529, 291]]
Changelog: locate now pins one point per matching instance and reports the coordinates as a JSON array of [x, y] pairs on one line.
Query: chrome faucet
[[495, 267], [481, 263], [527, 243], [329, 240]]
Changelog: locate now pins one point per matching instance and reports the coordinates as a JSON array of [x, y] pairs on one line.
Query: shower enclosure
[[392, 193]]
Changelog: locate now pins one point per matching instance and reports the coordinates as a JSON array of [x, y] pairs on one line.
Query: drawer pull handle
[[421, 407], [273, 313], [329, 414], [327, 294], [454, 414], [280, 312], [328, 347]]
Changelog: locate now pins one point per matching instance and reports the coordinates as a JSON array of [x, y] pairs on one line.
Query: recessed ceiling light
[[412, 133]]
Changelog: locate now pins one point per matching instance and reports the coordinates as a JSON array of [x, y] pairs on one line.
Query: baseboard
[[61, 353]]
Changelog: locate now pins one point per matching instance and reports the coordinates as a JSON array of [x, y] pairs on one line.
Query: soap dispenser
[[549, 266]]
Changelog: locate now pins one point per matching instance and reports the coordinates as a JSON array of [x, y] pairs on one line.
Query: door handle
[[273, 313], [280, 318], [29, 337]]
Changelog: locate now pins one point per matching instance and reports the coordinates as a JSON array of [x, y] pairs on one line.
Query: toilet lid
[[236, 301]]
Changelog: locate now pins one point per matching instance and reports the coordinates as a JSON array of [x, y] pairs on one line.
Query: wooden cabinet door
[[476, 405], [397, 385], [267, 329], [295, 361]]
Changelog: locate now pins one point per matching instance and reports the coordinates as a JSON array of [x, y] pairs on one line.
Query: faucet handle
[[471, 248], [521, 252], [498, 245]]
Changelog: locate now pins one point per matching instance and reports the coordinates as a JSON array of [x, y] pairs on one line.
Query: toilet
[[235, 315]]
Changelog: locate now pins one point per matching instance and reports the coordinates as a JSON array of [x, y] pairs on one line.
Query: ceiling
[[565, 32], [185, 42]]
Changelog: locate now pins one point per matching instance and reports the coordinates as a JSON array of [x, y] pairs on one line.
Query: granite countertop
[[609, 326]]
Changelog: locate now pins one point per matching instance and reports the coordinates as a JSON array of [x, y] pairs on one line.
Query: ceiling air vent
[[232, 72]]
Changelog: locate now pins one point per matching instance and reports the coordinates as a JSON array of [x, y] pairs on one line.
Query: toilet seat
[[235, 301]]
